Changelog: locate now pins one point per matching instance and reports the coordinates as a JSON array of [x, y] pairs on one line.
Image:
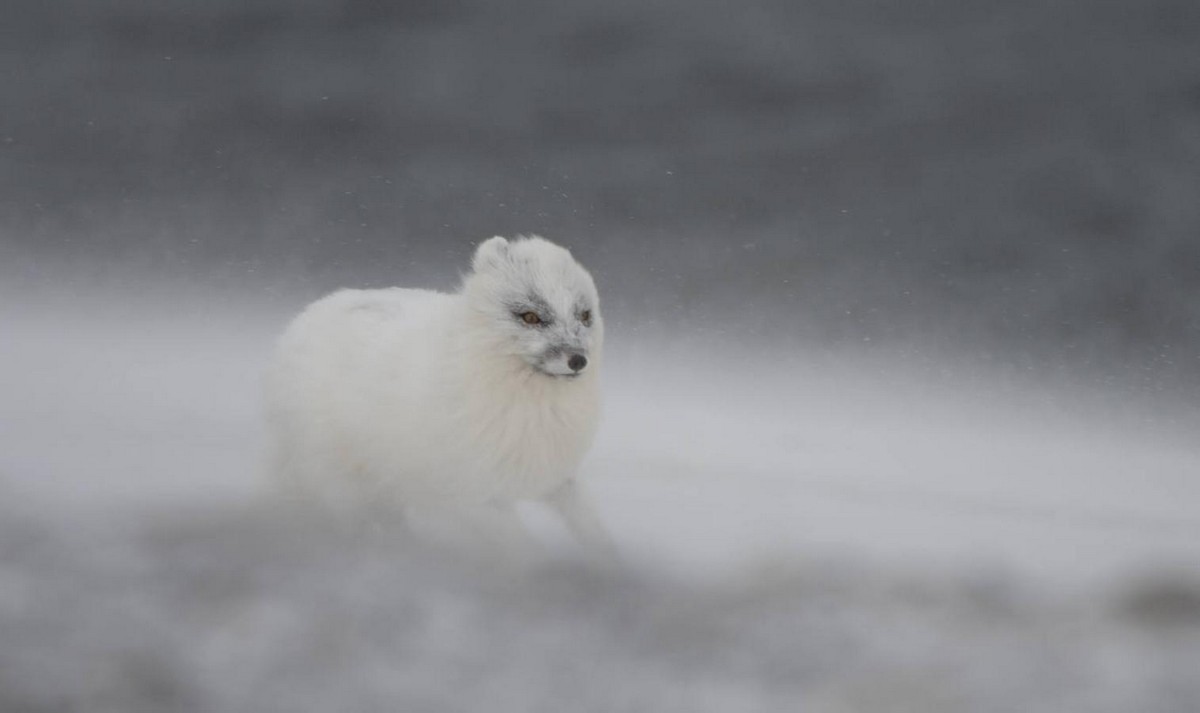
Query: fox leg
[[572, 504]]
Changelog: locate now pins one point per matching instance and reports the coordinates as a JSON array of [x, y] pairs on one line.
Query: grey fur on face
[[564, 335], [533, 276], [536, 304]]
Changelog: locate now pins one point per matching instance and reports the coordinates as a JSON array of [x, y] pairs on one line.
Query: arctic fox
[[448, 407]]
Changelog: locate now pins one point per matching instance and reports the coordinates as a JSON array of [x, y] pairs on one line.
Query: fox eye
[[531, 318], [586, 317]]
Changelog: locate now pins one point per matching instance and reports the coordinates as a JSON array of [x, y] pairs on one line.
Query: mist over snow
[[796, 529], [902, 350]]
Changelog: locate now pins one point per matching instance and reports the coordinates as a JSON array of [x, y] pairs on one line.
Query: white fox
[[449, 407]]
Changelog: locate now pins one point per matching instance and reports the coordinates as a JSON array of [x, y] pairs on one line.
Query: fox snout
[[565, 362]]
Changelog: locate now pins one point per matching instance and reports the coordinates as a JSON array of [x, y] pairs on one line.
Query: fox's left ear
[[490, 253]]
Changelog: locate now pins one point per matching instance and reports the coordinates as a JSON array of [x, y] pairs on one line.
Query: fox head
[[537, 304]]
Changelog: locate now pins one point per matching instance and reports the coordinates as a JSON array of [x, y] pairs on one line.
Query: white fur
[[430, 401]]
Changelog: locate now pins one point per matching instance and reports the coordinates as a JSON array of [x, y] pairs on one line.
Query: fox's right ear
[[490, 253]]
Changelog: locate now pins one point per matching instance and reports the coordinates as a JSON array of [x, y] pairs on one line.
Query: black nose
[[577, 362]]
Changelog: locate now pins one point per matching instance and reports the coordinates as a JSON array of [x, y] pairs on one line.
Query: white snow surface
[[798, 527]]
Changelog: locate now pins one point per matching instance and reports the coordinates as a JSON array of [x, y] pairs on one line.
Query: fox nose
[[577, 362]]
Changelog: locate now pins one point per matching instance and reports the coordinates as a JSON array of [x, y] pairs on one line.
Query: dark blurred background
[[1018, 181], [1000, 199]]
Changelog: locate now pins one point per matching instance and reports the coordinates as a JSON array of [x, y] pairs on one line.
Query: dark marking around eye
[[533, 311], [531, 317]]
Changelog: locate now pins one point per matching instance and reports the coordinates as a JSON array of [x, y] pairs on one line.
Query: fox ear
[[490, 253]]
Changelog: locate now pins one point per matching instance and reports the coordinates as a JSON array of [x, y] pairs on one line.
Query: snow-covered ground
[[705, 461], [800, 528], [739, 460]]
